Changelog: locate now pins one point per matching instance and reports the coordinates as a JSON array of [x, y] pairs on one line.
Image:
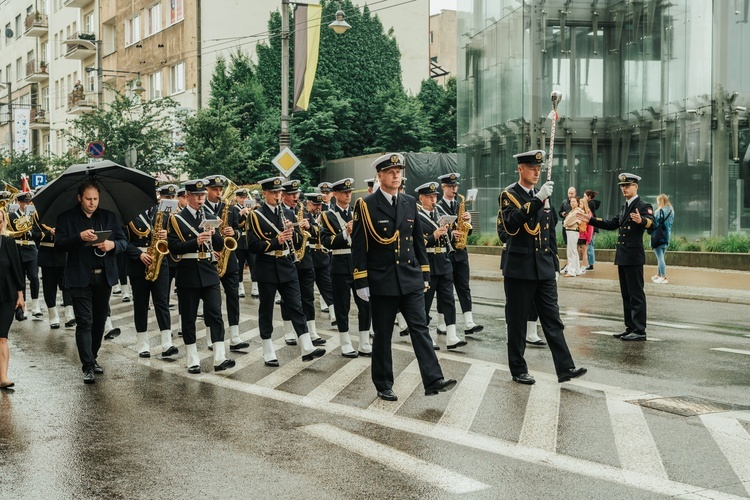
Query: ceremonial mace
[[555, 97]]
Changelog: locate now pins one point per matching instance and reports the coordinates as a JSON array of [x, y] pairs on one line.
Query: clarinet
[[209, 245], [289, 244]]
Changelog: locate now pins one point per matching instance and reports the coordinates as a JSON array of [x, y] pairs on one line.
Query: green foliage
[[129, 122], [402, 125], [439, 108], [14, 164]]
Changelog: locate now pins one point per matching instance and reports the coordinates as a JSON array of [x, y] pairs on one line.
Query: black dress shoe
[[435, 347], [210, 347], [241, 345], [70, 324], [632, 336], [170, 352], [536, 343], [441, 332], [440, 385], [88, 377], [570, 373], [458, 344], [404, 332], [290, 342], [319, 341], [352, 354], [315, 354], [227, 363], [524, 378], [274, 363], [98, 369], [474, 329], [144, 354], [621, 335], [115, 332], [365, 354], [54, 326], [387, 395], [194, 369], [179, 333]]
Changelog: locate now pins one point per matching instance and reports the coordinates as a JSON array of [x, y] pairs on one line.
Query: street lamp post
[[9, 86], [339, 26]]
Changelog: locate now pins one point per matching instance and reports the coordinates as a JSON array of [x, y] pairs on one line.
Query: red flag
[[25, 184]]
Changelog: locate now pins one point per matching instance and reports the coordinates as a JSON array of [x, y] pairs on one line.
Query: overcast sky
[[437, 5]]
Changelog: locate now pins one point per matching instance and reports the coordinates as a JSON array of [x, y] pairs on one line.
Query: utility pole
[[284, 136]]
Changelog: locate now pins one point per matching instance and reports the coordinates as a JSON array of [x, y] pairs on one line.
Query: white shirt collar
[[388, 196], [193, 212], [631, 200], [273, 209], [342, 208]]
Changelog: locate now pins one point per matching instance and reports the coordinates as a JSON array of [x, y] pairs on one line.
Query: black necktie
[[453, 206], [393, 202]]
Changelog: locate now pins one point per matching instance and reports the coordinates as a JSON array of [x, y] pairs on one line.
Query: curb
[[671, 291]]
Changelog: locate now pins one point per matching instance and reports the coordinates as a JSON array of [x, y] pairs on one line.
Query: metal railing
[[36, 20], [38, 115], [90, 37], [79, 98], [32, 67]]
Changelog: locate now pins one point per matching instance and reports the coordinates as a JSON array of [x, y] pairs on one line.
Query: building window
[[176, 11], [44, 52], [178, 78], [7, 39], [18, 26], [154, 19], [431, 38], [45, 98], [8, 73], [88, 23], [133, 30], [19, 68], [154, 86]]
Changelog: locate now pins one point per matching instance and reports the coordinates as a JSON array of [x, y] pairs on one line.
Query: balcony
[[36, 72], [77, 3], [80, 46], [80, 102], [39, 119], [36, 24]]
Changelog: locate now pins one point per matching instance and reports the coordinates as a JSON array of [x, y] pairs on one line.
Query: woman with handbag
[[585, 235], [664, 217], [571, 223], [12, 285]]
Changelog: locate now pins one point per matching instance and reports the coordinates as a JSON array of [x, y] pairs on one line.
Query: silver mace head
[[555, 97]]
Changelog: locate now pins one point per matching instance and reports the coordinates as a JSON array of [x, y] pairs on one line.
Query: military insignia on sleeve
[[506, 203], [527, 206], [356, 215]]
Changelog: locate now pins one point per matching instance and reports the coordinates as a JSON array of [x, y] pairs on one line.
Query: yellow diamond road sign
[[286, 162]]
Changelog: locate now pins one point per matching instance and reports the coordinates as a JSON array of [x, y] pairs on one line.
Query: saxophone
[[305, 234], [462, 225], [157, 249], [230, 244]]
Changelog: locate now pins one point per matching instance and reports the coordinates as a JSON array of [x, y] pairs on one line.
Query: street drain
[[688, 406]]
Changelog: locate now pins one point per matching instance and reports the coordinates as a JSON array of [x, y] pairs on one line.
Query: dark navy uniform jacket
[[183, 239], [395, 268], [444, 207], [233, 216], [141, 224], [262, 241], [440, 263], [334, 239], [45, 240], [530, 248], [27, 251], [629, 251], [319, 253]]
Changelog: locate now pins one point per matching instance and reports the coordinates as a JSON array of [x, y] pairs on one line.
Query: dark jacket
[[136, 228], [395, 268], [320, 254], [27, 250], [629, 251], [182, 238], [45, 240], [531, 248], [262, 240], [334, 239], [11, 279], [233, 220], [81, 258], [444, 208], [440, 263]]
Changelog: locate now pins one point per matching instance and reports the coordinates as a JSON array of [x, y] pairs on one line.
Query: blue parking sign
[[38, 180]]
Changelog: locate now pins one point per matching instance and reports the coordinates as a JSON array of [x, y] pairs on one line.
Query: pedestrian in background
[[660, 238], [585, 233], [565, 209], [594, 205], [12, 285], [571, 223]]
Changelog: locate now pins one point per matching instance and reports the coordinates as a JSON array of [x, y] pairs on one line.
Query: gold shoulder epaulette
[[176, 226]]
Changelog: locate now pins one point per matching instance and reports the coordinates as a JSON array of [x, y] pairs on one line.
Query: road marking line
[[734, 442], [602, 332], [726, 349], [410, 465], [340, 380], [406, 383], [635, 443], [467, 397], [540, 420], [283, 373]]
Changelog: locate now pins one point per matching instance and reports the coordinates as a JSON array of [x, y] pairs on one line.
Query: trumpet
[[289, 244], [209, 245]]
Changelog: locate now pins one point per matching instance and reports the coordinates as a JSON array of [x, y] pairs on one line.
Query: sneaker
[[661, 281], [655, 277], [590, 268], [582, 271], [116, 290]]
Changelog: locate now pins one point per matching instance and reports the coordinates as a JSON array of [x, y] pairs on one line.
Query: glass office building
[[659, 88]]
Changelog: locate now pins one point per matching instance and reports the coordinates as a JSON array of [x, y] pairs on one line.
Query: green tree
[[127, 122], [402, 126], [17, 163], [439, 106]]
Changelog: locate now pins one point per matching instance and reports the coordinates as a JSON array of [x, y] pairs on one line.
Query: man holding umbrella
[[91, 270]]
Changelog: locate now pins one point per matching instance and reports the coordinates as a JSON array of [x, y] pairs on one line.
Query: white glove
[[546, 190], [557, 276], [364, 293]]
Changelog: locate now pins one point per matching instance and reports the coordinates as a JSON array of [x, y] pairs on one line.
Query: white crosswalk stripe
[[540, 421], [467, 397], [734, 442]]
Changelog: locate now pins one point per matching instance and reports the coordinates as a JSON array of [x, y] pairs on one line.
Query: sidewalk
[[714, 285]]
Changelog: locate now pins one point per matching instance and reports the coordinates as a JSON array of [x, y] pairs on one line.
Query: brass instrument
[[230, 244], [157, 249], [289, 244], [305, 234], [461, 225], [209, 245]]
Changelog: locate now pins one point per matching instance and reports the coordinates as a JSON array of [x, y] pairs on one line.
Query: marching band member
[[391, 271], [21, 225], [244, 256], [337, 231], [321, 257], [143, 248], [271, 237], [197, 277]]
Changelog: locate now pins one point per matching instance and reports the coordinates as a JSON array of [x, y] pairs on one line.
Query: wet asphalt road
[[147, 429]]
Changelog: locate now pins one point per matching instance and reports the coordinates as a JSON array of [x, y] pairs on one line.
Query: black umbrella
[[125, 191]]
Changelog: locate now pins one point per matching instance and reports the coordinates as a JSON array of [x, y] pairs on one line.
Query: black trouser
[[633, 298], [91, 307], [443, 286], [52, 279], [521, 297], [461, 275], [122, 268], [231, 283], [158, 291], [30, 269], [244, 256], [188, 299], [290, 296], [323, 280], [344, 286], [306, 279], [384, 308]]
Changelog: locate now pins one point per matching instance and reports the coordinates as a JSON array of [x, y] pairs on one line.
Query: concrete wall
[[444, 49]]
